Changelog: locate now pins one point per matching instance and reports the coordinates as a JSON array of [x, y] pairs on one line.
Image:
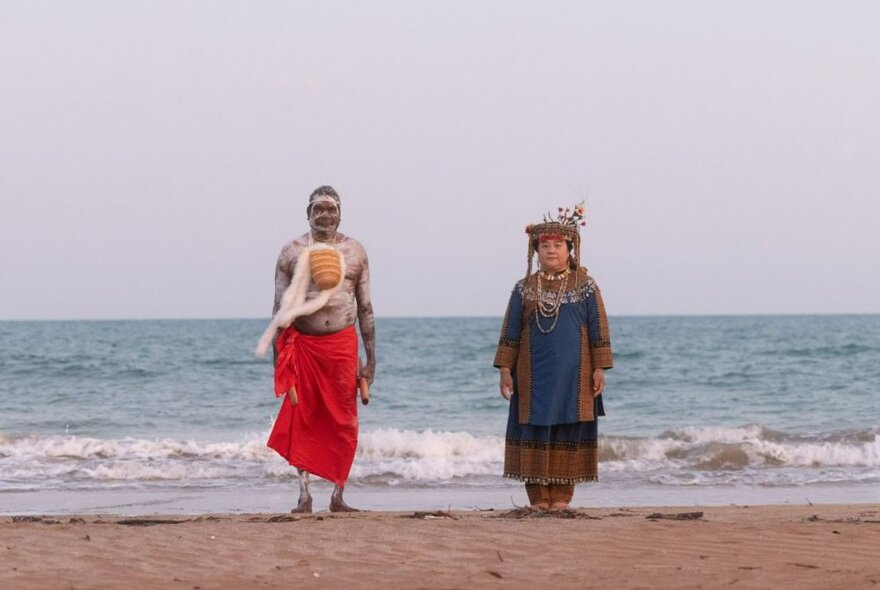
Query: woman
[[552, 355]]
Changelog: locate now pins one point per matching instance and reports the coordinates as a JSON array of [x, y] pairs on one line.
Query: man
[[316, 429]]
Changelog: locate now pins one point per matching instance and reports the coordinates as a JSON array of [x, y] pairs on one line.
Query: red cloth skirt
[[319, 434]]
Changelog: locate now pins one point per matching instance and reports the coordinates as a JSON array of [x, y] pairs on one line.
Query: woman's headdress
[[566, 227]]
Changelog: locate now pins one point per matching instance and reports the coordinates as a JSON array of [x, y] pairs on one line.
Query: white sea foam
[[388, 456], [746, 446], [427, 455], [749, 455], [86, 448]]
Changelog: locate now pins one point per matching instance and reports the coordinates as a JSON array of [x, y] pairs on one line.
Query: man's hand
[[364, 389], [291, 393], [598, 382], [506, 383], [367, 371]]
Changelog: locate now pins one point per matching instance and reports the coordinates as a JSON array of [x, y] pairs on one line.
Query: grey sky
[[157, 155]]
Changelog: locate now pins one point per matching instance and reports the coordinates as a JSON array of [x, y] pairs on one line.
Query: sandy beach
[[820, 546]]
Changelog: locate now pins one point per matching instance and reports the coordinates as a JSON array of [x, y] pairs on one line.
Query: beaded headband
[[323, 199]]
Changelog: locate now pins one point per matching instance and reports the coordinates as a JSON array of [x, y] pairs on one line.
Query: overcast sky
[[156, 155]]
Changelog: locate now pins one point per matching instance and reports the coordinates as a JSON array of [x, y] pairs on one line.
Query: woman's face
[[552, 255]]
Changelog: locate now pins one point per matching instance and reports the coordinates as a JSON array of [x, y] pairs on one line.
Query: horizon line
[[449, 317]]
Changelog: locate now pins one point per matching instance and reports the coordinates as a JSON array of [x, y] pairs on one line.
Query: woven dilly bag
[[326, 268]]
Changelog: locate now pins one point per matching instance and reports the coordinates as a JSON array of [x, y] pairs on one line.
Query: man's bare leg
[[337, 504], [304, 505]]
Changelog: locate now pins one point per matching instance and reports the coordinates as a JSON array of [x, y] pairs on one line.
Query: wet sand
[[821, 546]]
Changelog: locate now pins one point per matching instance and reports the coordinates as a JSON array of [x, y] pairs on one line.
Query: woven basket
[[326, 268]]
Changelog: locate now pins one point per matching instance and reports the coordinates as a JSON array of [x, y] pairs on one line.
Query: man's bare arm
[[282, 277], [282, 280], [366, 321]]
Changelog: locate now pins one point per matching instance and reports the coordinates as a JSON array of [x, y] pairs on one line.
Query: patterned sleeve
[[597, 329], [508, 344]]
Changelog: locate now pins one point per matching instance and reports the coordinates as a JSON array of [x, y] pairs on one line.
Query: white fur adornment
[[293, 302]]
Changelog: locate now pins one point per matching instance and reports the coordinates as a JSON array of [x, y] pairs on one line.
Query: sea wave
[[751, 455], [751, 446], [426, 455], [843, 350]]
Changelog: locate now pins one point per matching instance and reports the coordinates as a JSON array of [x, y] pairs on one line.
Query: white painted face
[[324, 214], [553, 255]]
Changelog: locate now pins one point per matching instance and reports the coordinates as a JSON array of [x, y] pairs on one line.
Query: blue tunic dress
[[552, 428]]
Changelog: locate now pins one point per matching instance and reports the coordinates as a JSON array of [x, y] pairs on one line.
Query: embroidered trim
[[601, 358], [600, 350], [585, 380], [551, 462], [546, 481], [553, 446], [505, 356], [529, 291], [524, 377]]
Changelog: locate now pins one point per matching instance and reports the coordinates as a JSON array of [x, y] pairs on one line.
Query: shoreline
[[504, 496], [817, 546]]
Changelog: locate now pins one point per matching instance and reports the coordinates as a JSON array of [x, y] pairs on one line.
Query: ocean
[[141, 417]]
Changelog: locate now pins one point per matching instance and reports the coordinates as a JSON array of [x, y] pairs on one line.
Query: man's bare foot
[[540, 506], [304, 506], [337, 504], [559, 506]]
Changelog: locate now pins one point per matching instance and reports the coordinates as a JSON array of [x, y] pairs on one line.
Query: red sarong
[[319, 434]]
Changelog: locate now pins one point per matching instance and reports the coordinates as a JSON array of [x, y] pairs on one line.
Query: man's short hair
[[324, 190]]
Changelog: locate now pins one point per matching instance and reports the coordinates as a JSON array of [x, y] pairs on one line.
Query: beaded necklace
[[550, 309]]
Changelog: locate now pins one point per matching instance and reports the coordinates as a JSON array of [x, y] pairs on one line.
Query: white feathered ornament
[[322, 264]]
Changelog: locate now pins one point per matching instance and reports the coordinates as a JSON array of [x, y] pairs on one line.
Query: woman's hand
[[598, 382], [291, 393], [506, 383]]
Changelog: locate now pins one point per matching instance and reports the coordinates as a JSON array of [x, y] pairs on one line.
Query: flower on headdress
[[571, 216], [567, 216]]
